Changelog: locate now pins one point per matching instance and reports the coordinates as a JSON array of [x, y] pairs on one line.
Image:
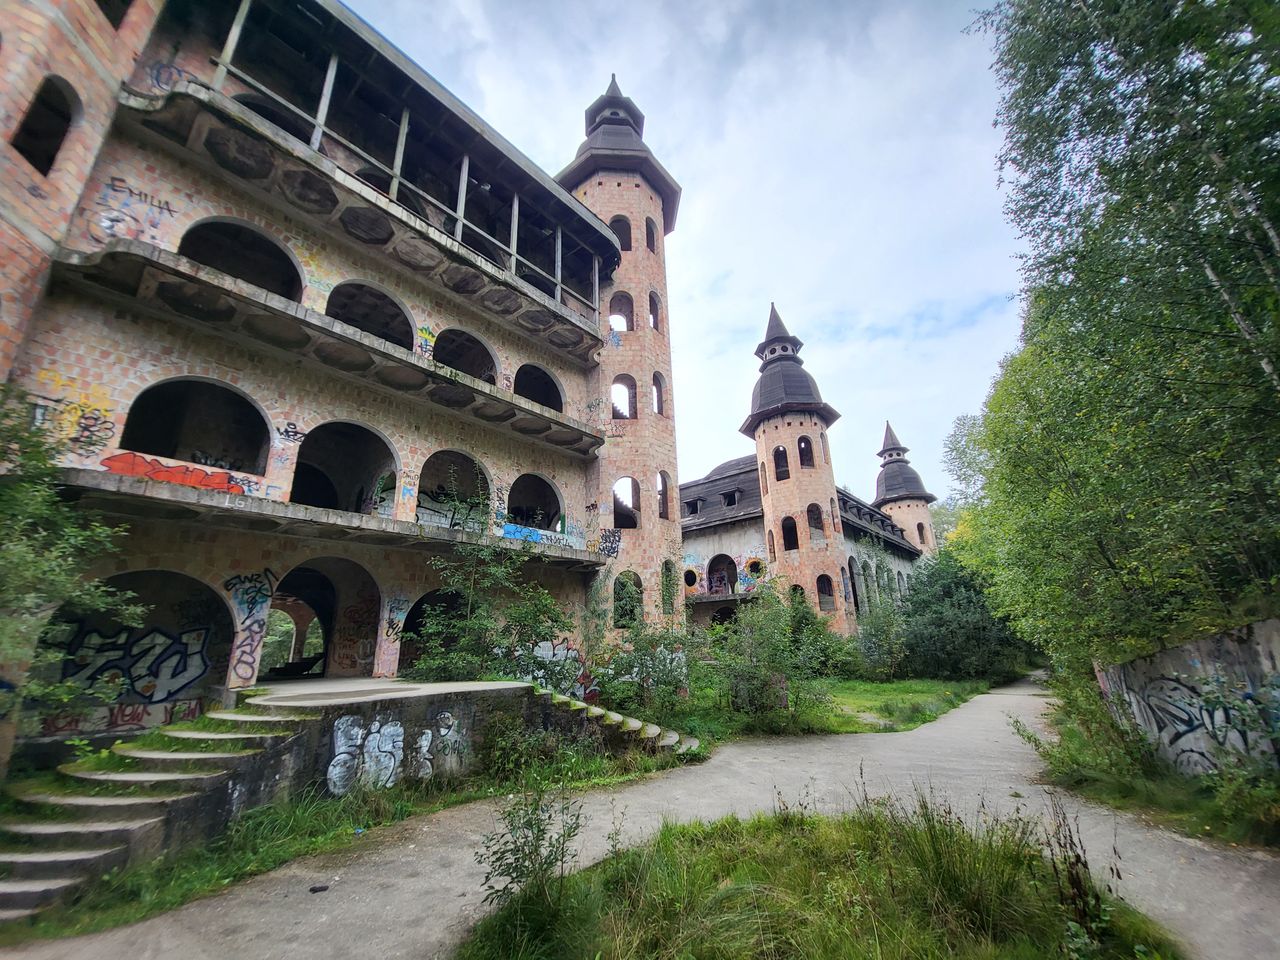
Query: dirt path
[[414, 890]]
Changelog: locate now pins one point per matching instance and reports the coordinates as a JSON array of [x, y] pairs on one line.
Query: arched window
[[467, 354], [453, 491], [651, 234], [722, 575], [806, 452], [40, 135], [532, 502], [534, 383], [372, 311], [623, 396], [659, 400], [790, 538], [198, 422], [240, 251], [621, 228], [664, 495], [773, 554], [835, 517], [920, 535], [344, 466], [655, 311], [764, 478], [902, 584], [621, 313], [826, 454], [814, 515], [853, 586], [826, 593], [781, 466], [628, 599], [868, 582], [844, 582], [626, 503], [114, 11]]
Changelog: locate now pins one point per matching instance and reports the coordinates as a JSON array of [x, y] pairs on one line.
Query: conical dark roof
[[784, 385], [897, 480], [615, 132]]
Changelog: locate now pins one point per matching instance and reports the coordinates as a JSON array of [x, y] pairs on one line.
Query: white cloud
[[836, 158]]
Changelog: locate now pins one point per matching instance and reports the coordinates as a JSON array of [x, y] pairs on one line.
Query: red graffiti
[[127, 716], [59, 723], [136, 465], [181, 710]]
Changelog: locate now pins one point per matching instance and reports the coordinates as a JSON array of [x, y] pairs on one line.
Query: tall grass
[[887, 881]]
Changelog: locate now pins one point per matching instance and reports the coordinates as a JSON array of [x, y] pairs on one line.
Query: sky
[[837, 158]]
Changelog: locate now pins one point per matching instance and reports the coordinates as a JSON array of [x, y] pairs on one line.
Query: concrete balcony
[[222, 135], [154, 280]]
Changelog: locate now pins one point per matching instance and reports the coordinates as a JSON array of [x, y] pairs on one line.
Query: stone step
[[13, 916], [41, 864], [687, 743], [577, 705], [224, 736], [167, 758], [631, 725], [595, 713], [649, 731], [33, 894], [668, 739], [559, 699], [105, 806], [236, 716], [612, 719], [78, 834], [198, 779]]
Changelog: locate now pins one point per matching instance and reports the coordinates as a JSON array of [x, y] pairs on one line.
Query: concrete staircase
[[60, 835], [620, 730]]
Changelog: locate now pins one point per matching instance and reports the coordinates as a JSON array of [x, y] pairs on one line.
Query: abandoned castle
[[286, 300]]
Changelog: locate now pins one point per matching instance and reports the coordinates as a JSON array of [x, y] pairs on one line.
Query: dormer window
[[730, 498], [691, 507]]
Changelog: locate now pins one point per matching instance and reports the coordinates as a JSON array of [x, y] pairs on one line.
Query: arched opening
[[621, 228], [781, 465], [163, 668], [884, 585], [628, 599], [659, 391], [114, 11], [532, 502], [691, 578], [773, 553], [826, 593], [534, 383], [242, 252], [854, 598], [427, 624], [920, 535], [621, 313], [869, 582], [844, 582], [622, 395], [277, 114], [664, 496], [722, 575], [755, 568], [723, 615], [790, 537], [198, 422], [344, 466], [826, 454], [805, 446], [626, 503], [669, 587], [453, 492], [650, 235], [461, 351], [902, 584], [817, 534], [43, 129], [346, 601], [372, 311], [835, 516], [655, 311], [764, 478], [293, 645]]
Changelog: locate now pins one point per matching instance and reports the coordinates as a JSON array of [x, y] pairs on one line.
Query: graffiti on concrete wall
[[153, 667], [150, 468], [388, 655], [750, 570], [119, 717], [290, 433], [355, 639], [373, 755], [251, 599], [81, 416], [518, 531]]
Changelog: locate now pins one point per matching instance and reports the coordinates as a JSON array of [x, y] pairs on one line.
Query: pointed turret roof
[[784, 385], [897, 480], [615, 132]]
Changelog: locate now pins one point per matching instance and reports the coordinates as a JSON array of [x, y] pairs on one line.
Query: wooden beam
[[229, 48]]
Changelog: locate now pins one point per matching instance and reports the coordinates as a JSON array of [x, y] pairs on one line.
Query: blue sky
[[836, 157]]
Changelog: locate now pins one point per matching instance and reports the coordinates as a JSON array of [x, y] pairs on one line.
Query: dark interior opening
[[534, 383], [200, 423], [245, 254]]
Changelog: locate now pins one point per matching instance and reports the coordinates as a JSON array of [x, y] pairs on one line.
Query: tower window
[[826, 453], [651, 234], [773, 554], [655, 311], [621, 313], [40, 135], [920, 534], [659, 400], [826, 593], [664, 496], [626, 503], [764, 478], [790, 538], [623, 396], [806, 452], [781, 465], [621, 228], [814, 515]]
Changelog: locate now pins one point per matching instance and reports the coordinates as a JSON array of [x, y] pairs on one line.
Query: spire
[[776, 336], [891, 442], [776, 327], [614, 90], [784, 385]]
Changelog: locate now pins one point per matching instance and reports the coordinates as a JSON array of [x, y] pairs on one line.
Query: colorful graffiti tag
[[250, 596], [154, 667], [149, 468]]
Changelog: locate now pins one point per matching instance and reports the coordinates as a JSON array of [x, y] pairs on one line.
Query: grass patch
[[898, 704], [886, 881]]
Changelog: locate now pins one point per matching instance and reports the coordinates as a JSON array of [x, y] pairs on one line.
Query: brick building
[[288, 302], [779, 513]]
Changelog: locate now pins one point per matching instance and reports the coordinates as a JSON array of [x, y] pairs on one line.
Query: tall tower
[[789, 423], [617, 177], [901, 494]]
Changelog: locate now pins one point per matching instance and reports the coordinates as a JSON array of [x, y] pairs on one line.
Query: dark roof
[[615, 141], [784, 385], [897, 479], [864, 521]]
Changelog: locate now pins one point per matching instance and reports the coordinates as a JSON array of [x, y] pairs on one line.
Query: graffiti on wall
[[250, 598], [356, 638], [119, 717], [165, 76], [388, 655], [552, 538], [751, 572], [150, 468], [374, 755], [610, 542], [124, 211], [290, 433], [153, 667], [80, 416]]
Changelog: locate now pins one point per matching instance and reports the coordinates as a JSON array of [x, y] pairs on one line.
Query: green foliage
[[880, 636], [948, 631], [888, 881], [866, 705], [1123, 473], [45, 544], [648, 675]]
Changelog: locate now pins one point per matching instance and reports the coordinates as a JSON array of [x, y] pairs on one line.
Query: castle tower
[[901, 494], [636, 490], [789, 424]]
